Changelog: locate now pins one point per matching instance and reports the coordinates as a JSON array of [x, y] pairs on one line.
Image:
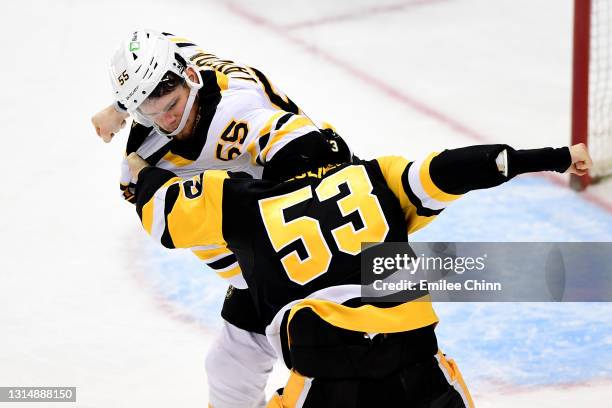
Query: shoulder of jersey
[[138, 134], [144, 140]]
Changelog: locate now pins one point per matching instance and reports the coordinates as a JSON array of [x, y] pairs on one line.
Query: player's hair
[[171, 80], [169, 83]]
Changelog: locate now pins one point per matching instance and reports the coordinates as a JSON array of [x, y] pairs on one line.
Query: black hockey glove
[[309, 152]]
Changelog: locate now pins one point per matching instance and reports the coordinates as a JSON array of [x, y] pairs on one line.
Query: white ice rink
[[87, 300]]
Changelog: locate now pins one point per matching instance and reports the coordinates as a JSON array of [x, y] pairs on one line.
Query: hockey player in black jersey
[[298, 244]]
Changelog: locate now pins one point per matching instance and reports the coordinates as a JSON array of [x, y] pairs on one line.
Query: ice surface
[[87, 300]]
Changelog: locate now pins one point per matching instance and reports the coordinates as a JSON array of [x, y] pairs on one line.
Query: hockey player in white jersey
[[193, 111]]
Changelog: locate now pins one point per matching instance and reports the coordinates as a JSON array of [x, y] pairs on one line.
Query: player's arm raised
[[425, 188], [458, 171]]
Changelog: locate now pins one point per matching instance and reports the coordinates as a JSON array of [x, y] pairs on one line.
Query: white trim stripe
[[237, 281], [302, 398], [337, 294], [227, 268], [293, 135], [158, 223], [219, 257], [454, 383], [414, 180], [206, 247]]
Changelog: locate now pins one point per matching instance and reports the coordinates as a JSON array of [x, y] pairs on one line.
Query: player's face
[[167, 110]]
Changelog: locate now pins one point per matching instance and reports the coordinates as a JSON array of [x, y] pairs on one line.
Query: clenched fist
[[581, 160], [136, 164], [109, 121]]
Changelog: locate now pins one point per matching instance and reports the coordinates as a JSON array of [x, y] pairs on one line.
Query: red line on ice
[[368, 79], [360, 13], [391, 92]]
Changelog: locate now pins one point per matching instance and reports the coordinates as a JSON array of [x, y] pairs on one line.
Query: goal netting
[[592, 83]]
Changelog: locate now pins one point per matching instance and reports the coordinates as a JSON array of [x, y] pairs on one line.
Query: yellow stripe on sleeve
[[252, 147], [230, 273], [222, 80], [180, 40], [392, 168], [148, 208], [295, 124], [428, 185], [208, 254], [177, 160], [147, 216], [456, 378], [293, 390]]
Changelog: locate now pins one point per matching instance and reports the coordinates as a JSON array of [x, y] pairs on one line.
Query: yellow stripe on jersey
[[275, 402], [371, 319], [327, 125], [177, 160], [429, 186], [293, 390], [208, 254], [254, 145], [222, 80], [180, 40], [197, 221], [450, 368], [213, 192], [148, 208], [147, 216], [392, 168], [230, 273], [289, 127]]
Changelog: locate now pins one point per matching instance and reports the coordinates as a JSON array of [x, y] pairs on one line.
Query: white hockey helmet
[[138, 66]]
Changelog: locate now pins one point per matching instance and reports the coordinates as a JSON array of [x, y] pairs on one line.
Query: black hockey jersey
[[298, 242]]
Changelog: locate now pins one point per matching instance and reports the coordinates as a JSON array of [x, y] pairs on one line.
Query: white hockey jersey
[[242, 123]]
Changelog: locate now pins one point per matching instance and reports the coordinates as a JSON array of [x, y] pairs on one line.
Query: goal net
[[592, 85]]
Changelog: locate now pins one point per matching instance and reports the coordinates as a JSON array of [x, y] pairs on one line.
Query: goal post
[[592, 86]]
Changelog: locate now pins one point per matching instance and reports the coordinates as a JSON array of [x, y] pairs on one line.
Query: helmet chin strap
[[194, 87]]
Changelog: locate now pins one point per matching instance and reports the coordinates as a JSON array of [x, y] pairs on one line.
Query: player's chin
[[169, 130]]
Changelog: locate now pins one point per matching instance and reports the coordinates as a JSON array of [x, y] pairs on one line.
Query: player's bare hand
[[108, 122], [136, 164], [581, 160]]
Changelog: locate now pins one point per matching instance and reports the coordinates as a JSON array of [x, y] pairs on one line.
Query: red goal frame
[[580, 82]]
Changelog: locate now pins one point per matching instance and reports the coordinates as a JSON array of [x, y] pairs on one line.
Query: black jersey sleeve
[[425, 188], [458, 171]]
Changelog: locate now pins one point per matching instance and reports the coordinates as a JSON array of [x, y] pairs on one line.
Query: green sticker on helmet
[[134, 46]]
